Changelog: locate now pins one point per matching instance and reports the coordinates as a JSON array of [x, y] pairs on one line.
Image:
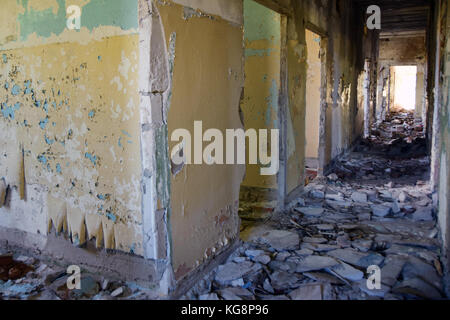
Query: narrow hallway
[[374, 210]]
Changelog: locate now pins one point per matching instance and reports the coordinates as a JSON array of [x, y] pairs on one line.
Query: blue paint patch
[[91, 157], [37, 103], [5, 58], [54, 124], [42, 159], [54, 105], [101, 196], [27, 87], [45, 107], [10, 111], [6, 85], [58, 168], [43, 123], [126, 133], [111, 216], [120, 142], [49, 141], [15, 90], [272, 105], [99, 58], [91, 114]]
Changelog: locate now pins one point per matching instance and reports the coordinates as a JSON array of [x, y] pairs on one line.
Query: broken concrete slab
[[315, 263], [281, 240], [311, 211], [357, 258], [347, 272], [308, 292], [281, 280], [381, 210], [232, 271], [417, 287], [359, 197]]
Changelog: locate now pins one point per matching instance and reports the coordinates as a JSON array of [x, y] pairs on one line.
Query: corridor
[[374, 209]]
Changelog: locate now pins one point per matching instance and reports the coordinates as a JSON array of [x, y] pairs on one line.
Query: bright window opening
[[405, 78]]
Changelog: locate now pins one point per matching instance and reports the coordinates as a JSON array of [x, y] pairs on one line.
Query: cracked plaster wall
[[70, 121]]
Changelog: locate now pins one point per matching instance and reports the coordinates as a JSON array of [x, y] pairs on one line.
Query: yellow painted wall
[[313, 95], [70, 121], [206, 86]]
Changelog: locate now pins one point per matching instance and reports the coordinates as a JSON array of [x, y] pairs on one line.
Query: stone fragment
[[402, 197], [393, 266], [317, 194], [356, 258], [282, 256], [315, 240], [281, 280], [323, 277], [267, 286], [227, 294], [417, 287], [319, 247], [232, 271], [315, 263], [347, 272], [362, 245], [254, 253], [395, 207], [310, 211], [381, 293], [324, 227], [281, 240], [118, 292], [423, 214], [359, 197], [307, 292], [89, 287], [333, 177], [264, 259], [380, 210]]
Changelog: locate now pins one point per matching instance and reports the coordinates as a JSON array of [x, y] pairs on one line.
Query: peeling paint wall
[[70, 121], [260, 104], [442, 131], [206, 59]]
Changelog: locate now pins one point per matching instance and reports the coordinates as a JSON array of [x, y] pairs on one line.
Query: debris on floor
[[26, 278], [374, 210]]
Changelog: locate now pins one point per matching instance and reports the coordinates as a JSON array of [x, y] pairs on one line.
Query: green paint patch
[[97, 13], [261, 23], [258, 52]]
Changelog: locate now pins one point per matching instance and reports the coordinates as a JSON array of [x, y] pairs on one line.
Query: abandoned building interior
[[88, 177]]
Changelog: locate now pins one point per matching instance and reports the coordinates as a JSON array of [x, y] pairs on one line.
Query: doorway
[[260, 105], [313, 103]]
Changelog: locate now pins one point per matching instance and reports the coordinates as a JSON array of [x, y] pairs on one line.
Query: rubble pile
[[374, 210], [400, 135], [26, 278], [323, 247]]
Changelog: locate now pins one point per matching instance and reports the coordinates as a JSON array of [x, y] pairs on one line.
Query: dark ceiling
[[401, 16]]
